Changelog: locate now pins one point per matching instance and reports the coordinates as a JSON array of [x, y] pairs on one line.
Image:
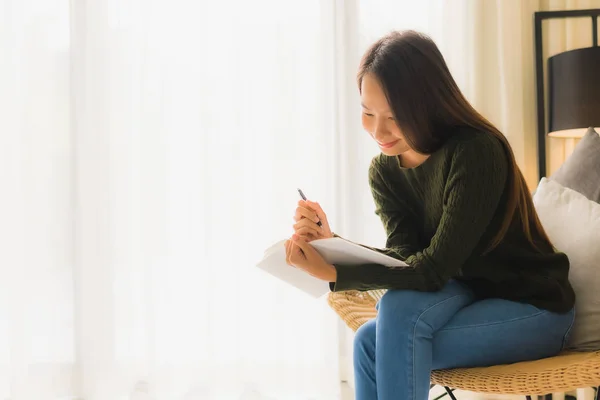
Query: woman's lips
[[388, 144]]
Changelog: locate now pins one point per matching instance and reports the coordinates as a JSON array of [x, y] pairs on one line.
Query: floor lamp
[[573, 85]]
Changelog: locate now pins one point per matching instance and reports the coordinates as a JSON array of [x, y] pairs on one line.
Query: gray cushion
[[581, 170]]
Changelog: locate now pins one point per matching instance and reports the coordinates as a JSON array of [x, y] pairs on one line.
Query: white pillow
[[573, 224]]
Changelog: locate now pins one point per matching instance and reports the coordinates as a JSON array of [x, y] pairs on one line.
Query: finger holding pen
[[311, 220]]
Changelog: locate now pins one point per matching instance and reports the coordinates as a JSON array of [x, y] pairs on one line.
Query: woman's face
[[378, 120]]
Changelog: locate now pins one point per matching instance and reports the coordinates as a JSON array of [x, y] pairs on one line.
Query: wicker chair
[[562, 373]]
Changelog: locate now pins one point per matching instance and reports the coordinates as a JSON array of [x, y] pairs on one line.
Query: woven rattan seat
[[564, 372]]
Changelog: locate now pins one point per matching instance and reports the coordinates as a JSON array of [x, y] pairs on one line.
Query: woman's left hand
[[303, 255]]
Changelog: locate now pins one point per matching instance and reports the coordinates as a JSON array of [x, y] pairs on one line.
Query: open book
[[334, 250]]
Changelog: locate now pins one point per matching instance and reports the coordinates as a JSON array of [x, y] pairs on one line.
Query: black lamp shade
[[574, 85]]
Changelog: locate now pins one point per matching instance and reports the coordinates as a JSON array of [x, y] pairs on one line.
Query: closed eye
[[368, 115]]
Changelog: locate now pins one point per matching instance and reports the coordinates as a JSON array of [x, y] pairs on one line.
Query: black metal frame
[[539, 71]]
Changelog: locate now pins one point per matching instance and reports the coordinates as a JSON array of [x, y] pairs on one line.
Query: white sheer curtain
[[150, 152], [37, 340]]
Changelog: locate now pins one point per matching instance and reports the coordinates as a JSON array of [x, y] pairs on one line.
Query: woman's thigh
[[496, 331]]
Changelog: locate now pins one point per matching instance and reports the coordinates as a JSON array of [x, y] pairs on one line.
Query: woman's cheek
[[366, 123]]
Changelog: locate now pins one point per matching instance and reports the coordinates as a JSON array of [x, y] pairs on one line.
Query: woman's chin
[[390, 152]]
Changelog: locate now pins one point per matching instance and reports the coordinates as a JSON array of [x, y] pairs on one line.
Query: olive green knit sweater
[[440, 218]]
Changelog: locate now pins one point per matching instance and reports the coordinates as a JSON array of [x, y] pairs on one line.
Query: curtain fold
[[36, 317]]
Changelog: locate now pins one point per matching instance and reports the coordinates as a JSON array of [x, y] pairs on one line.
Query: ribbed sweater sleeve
[[402, 240], [471, 195]]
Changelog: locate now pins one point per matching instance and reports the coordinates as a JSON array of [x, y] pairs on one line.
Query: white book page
[[341, 251], [333, 250], [274, 263]]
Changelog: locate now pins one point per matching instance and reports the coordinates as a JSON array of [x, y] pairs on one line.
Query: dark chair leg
[[598, 393], [441, 396], [431, 386], [528, 397], [449, 391]]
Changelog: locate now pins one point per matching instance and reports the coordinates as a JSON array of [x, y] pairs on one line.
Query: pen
[[304, 198]]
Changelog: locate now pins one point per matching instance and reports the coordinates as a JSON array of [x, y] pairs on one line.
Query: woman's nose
[[380, 133]]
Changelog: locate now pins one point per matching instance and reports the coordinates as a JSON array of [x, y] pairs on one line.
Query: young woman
[[485, 285]]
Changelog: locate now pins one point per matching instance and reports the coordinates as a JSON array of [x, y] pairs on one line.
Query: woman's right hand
[[308, 213]]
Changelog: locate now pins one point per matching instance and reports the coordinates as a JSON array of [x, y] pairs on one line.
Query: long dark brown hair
[[428, 105]]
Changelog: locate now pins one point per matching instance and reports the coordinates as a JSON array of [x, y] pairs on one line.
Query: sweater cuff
[[348, 277], [374, 276]]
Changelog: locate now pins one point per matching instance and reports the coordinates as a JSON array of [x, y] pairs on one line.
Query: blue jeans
[[417, 332]]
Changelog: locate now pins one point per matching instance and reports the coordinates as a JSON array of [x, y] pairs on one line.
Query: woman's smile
[[388, 144]]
